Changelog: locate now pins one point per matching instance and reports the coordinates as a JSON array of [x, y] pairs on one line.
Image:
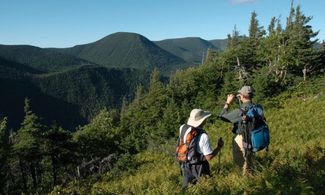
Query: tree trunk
[[54, 170], [23, 175], [33, 172]]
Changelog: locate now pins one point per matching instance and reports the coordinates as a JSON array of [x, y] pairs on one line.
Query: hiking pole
[[219, 162], [220, 144]]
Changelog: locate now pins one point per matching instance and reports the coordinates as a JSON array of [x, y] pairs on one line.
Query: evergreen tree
[[272, 26], [233, 39], [58, 147], [4, 154], [252, 44], [272, 52], [230, 59], [140, 92], [322, 55], [299, 37], [98, 138], [27, 147]]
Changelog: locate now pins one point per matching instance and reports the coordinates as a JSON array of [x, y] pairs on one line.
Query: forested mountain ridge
[[118, 50], [10, 69], [73, 95], [221, 44], [93, 87], [38, 58], [191, 49], [127, 50]]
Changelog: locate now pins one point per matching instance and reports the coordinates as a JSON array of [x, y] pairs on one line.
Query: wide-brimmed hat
[[246, 91], [197, 117]]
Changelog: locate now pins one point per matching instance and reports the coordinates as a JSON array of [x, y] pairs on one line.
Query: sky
[[66, 23]]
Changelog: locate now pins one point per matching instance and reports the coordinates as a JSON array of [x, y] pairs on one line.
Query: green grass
[[295, 163]]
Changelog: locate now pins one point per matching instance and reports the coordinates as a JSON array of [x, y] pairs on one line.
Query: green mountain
[[40, 59], [92, 88], [221, 44], [191, 49], [14, 70], [72, 96], [127, 50]]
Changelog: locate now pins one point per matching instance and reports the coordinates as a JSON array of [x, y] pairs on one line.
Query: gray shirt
[[234, 116]]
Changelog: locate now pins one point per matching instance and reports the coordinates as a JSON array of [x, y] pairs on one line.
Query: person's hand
[[230, 98], [220, 142]]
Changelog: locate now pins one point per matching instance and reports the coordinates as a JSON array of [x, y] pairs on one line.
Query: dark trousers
[[193, 172]]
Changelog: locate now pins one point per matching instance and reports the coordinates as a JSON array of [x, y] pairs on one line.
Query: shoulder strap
[[183, 131]]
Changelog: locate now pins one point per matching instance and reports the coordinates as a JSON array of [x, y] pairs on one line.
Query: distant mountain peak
[[127, 50]]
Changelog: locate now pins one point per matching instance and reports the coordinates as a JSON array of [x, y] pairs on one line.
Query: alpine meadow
[[104, 117]]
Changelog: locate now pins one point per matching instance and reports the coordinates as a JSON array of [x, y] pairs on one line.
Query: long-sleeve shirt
[[234, 116]]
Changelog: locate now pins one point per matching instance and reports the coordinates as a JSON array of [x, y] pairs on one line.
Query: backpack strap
[[183, 131]]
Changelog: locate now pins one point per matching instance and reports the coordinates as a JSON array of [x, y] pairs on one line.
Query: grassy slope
[[294, 164], [294, 143]]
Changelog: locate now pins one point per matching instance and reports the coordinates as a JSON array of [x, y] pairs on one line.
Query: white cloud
[[242, 1]]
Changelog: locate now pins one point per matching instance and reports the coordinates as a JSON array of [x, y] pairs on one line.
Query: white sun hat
[[197, 117]]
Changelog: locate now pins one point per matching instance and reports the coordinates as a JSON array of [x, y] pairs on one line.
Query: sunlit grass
[[294, 164]]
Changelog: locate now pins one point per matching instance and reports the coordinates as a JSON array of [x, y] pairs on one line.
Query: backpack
[[255, 130], [186, 152]]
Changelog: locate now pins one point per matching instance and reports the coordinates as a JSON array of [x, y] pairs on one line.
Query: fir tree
[[97, 139], [4, 155], [27, 147], [299, 37], [58, 147]]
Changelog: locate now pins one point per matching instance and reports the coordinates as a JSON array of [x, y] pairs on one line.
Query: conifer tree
[[229, 58], [97, 139], [4, 154], [27, 147], [300, 39], [58, 147], [252, 44], [233, 39]]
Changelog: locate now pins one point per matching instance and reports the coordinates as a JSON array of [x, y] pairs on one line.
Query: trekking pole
[[219, 162]]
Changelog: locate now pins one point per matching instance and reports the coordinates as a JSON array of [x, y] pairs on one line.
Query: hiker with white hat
[[194, 149]]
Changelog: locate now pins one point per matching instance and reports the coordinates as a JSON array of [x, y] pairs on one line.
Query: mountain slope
[[126, 50], [190, 49], [293, 164], [37, 58], [13, 70], [221, 44], [92, 88], [68, 98]]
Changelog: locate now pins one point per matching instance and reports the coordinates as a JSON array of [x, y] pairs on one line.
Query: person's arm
[[224, 113], [233, 116], [215, 151]]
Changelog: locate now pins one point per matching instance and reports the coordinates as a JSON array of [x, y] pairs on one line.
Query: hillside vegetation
[[294, 164], [132, 151], [70, 97]]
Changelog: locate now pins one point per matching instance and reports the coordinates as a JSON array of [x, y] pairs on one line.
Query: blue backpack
[[256, 131]]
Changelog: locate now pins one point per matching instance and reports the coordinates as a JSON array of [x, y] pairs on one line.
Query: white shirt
[[204, 146]]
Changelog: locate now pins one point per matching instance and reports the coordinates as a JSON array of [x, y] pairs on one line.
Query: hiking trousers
[[192, 172], [245, 162]]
